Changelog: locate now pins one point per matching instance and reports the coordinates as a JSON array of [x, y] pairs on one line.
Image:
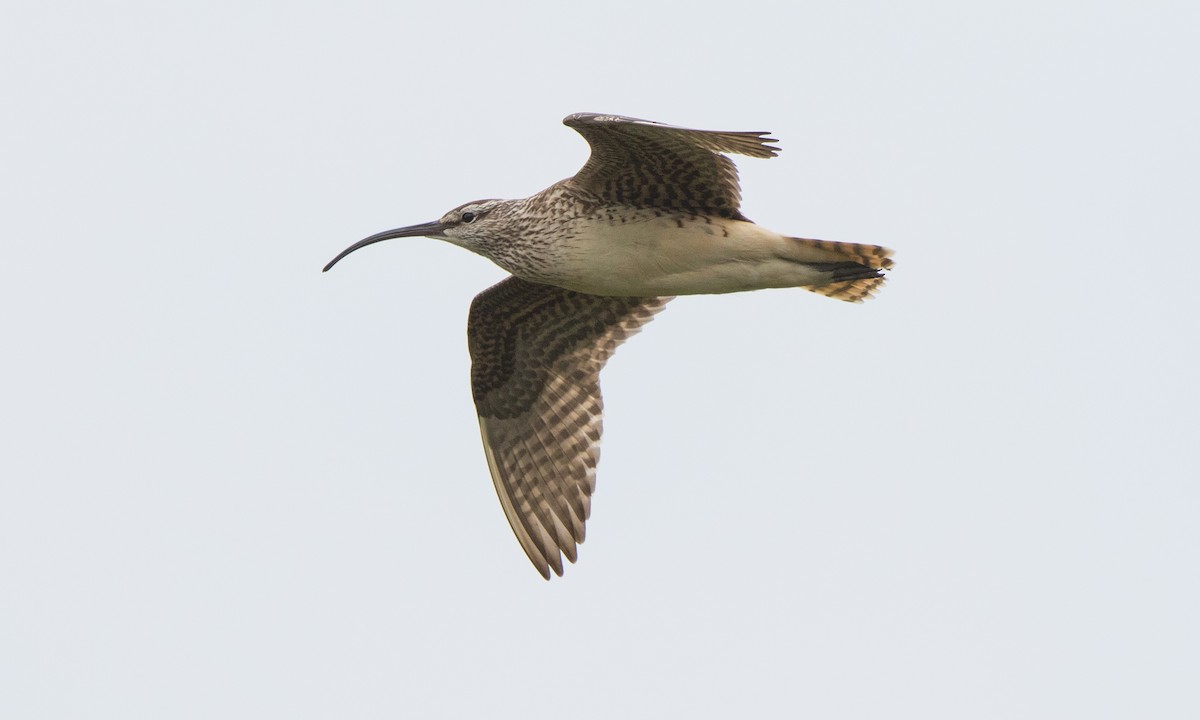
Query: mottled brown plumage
[[536, 355], [655, 212], [644, 164]]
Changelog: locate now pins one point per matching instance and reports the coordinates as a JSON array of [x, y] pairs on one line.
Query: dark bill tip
[[429, 229]]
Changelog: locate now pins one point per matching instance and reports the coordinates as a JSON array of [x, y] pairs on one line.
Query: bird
[[654, 213]]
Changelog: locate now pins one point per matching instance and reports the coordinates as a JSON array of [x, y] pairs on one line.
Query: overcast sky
[[231, 486]]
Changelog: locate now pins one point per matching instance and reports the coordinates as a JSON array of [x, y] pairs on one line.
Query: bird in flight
[[653, 213]]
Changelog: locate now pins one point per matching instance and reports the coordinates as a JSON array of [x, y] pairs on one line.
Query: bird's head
[[468, 226]]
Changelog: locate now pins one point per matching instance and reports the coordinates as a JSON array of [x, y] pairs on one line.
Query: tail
[[855, 272]]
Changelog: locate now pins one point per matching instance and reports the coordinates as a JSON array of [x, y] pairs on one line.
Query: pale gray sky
[[231, 486]]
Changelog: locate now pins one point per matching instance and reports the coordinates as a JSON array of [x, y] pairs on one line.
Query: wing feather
[[642, 163], [536, 353]]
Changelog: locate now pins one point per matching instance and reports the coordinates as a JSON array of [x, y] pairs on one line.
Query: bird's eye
[[468, 217]]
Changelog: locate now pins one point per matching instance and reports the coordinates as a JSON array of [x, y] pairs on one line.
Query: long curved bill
[[430, 229]]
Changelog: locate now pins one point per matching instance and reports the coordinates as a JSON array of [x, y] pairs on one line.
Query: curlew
[[653, 213]]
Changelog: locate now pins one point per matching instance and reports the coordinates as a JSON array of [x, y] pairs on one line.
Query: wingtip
[[761, 140], [545, 569]]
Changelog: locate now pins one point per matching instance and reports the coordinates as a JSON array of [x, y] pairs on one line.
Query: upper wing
[[647, 164], [536, 354]]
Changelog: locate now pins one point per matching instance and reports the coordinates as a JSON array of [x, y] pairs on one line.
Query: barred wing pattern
[[642, 163], [536, 354]]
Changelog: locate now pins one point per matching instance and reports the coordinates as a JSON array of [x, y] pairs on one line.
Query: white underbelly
[[669, 256]]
